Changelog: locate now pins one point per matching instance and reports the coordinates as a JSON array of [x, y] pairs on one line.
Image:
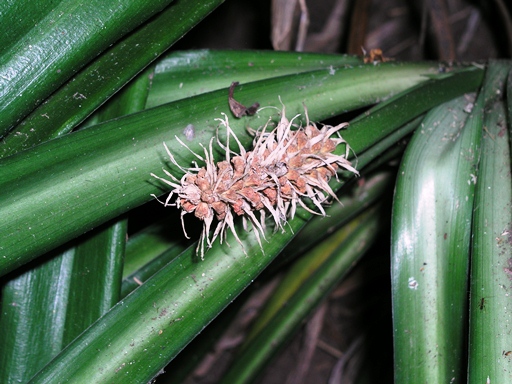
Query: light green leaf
[[431, 229]]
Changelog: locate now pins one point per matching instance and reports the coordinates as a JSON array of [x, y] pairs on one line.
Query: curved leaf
[[148, 328], [105, 75], [58, 46], [491, 267], [431, 229], [98, 173]]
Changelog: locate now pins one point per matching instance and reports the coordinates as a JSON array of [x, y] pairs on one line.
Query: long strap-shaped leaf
[[62, 188], [430, 244], [188, 73], [58, 46], [149, 327], [148, 251], [336, 257], [490, 341], [59, 298], [105, 75]]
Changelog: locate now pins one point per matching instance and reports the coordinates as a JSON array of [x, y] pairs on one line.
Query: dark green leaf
[[491, 264], [104, 76], [149, 327], [58, 46]]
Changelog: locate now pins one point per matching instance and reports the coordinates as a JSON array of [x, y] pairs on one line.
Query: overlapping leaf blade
[[105, 75], [98, 173], [51, 197], [430, 244], [344, 248], [151, 325], [59, 45], [86, 286], [491, 267]]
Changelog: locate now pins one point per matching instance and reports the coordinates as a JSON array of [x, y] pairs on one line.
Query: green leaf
[[105, 75], [33, 13], [353, 201], [138, 337], [58, 46], [319, 232], [150, 251], [491, 266], [32, 325], [152, 324], [46, 307], [95, 174], [93, 266], [146, 245], [189, 73], [327, 264], [431, 229]]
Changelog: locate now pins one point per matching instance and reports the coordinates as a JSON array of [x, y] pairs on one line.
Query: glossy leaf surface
[[431, 230]]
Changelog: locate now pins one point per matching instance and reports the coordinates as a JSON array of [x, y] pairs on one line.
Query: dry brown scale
[[284, 166]]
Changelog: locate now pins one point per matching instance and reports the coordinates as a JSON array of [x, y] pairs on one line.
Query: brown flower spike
[[284, 166]]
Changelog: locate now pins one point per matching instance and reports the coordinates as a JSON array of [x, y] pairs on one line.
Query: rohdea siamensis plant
[[284, 166]]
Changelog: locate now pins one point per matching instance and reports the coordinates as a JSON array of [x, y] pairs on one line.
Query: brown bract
[[237, 108], [284, 167]]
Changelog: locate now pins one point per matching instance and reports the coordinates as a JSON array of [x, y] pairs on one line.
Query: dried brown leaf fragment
[[238, 108]]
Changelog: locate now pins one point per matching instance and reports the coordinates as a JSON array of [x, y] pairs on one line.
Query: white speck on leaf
[[189, 132], [469, 107], [413, 284]]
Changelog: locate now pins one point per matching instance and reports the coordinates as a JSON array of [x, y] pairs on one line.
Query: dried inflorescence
[[284, 166]]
